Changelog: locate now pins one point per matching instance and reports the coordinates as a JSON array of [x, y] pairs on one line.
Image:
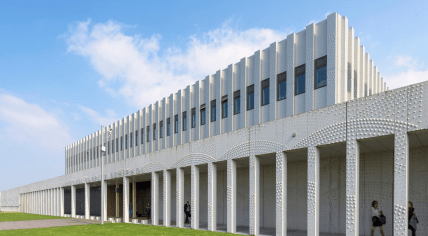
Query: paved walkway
[[29, 224]]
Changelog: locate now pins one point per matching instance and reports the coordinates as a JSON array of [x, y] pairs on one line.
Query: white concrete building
[[302, 135]]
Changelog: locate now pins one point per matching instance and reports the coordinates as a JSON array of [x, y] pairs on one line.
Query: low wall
[[9, 208]]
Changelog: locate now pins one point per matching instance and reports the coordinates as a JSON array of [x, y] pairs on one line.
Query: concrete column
[[166, 198], [55, 201], [87, 201], [194, 198], [134, 199], [73, 201], [179, 197], [43, 202], [117, 202], [352, 186], [231, 196], [61, 201], [155, 198], [51, 204], [313, 190], [281, 193], [401, 182], [125, 199], [104, 200], [254, 195], [212, 196]]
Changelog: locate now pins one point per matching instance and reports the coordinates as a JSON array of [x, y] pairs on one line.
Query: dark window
[[213, 110], [161, 129], [108, 148], [349, 84], [136, 137], [112, 146], [121, 143], [321, 72], [126, 141], [265, 92], [168, 126], [131, 140], [203, 114], [142, 135], [193, 117], [365, 89], [176, 123], [148, 133], [370, 92], [355, 84], [98, 151], [282, 85], [237, 102], [300, 79], [250, 97], [184, 120], [154, 131], [224, 106], [117, 144]]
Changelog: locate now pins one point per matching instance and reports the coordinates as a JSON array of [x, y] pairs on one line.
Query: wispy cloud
[[26, 123], [410, 75], [97, 117], [139, 70]]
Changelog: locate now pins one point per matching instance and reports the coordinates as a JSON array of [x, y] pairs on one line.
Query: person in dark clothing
[[187, 212], [413, 220], [148, 211]]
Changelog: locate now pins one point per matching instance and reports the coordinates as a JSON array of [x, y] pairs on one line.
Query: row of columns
[[401, 160], [50, 202], [43, 202]]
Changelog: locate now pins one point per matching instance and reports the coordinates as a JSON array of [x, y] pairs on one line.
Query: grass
[[16, 216], [110, 229]]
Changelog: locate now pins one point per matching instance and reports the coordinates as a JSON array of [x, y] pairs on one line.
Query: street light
[[103, 152]]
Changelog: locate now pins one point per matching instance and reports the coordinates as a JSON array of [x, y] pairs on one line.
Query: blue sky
[[68, 67]]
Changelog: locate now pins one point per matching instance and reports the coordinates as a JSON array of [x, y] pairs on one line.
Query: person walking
[[413, 220], [375, 218], [187, 212], [148, 211]]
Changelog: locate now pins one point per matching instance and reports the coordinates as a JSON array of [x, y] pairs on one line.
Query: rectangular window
[[154, 131], [237, 102], [321, 72], [121, 143], [142, 135], [250, 97], [112, 146], [108, 148], [117, 144], [349, 84], [193, 117], [365, 89], [98, 152], [282, 85], [224, 106], [184, 120], [148, 133], [203, 114], [161, 129], [126, 141], [131, 140], [213, 110], [136, 137], [355, 84], [168, 126], [176, 123], [265, 92], [300, 79]]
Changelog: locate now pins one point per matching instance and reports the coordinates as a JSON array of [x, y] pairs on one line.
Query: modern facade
[[302, 135]]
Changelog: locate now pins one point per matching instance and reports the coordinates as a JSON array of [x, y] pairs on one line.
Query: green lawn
[[110, 229], [16, 216]]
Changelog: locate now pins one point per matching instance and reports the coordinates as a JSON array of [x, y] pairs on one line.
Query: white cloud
[[141, 71], [97, 117], [410, 76], [29, 124]]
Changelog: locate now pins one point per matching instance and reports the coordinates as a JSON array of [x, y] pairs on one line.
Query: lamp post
[[103, 152]]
